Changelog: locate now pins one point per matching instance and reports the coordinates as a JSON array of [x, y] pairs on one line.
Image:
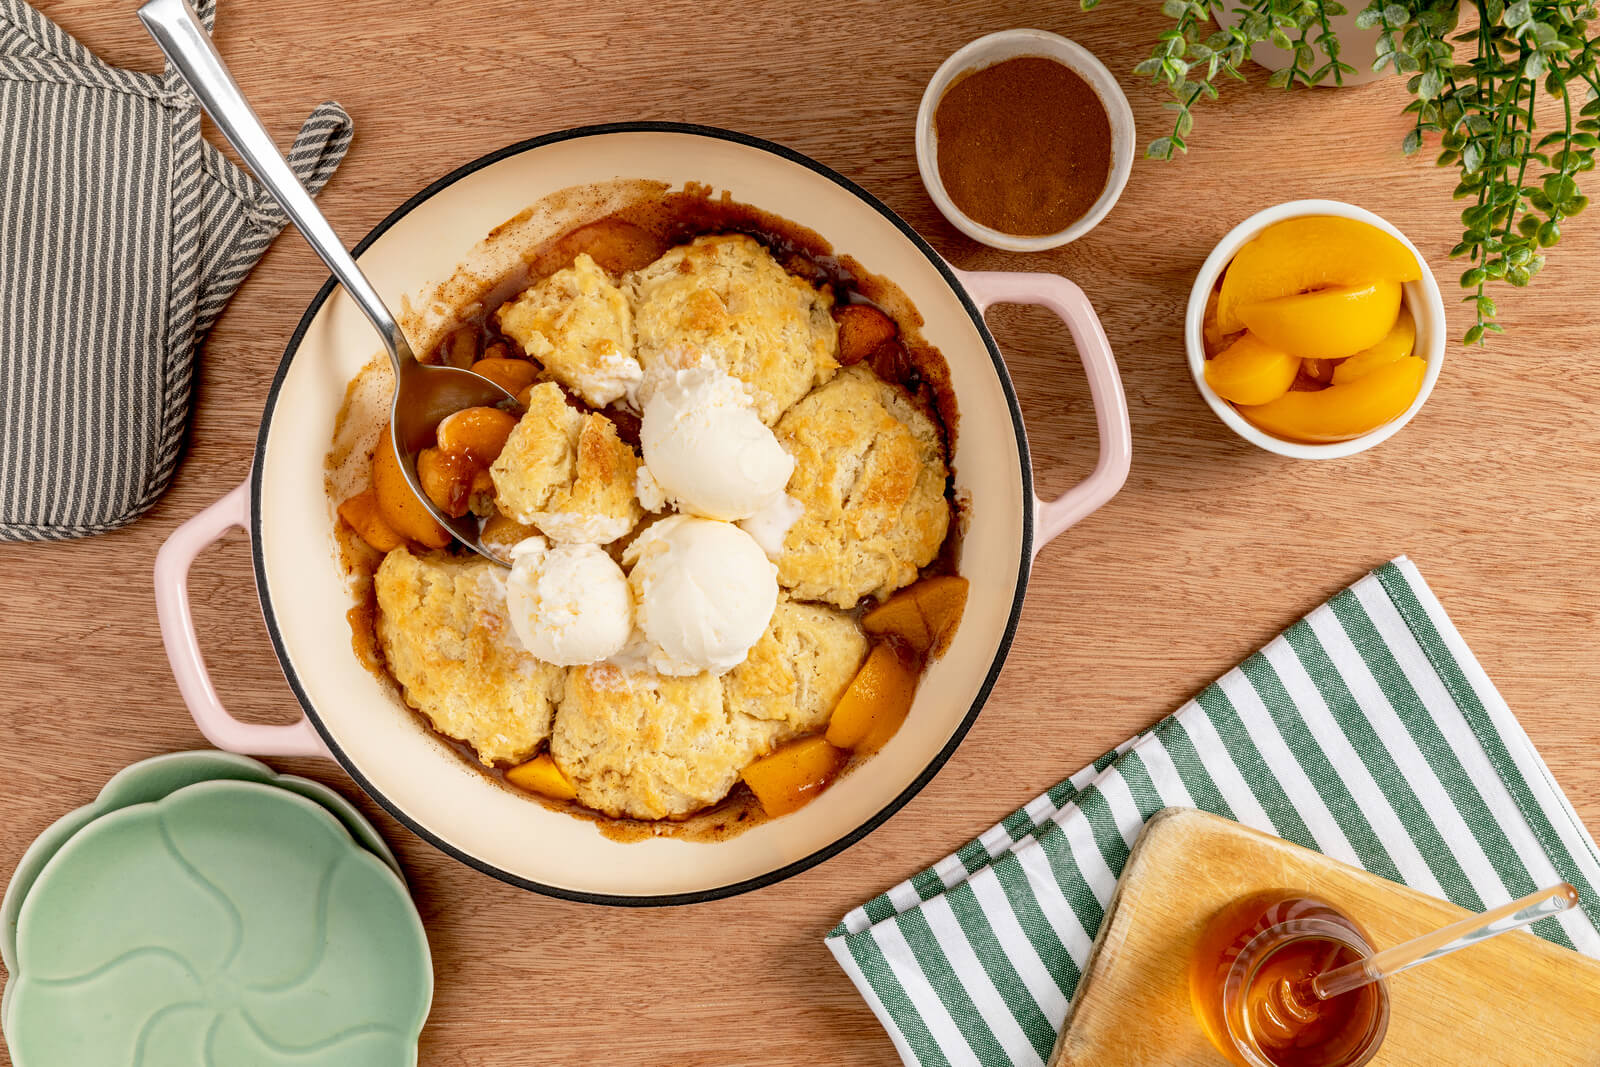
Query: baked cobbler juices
[[727, 502]]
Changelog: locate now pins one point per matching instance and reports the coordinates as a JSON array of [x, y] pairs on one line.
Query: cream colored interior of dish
[[306, 590]]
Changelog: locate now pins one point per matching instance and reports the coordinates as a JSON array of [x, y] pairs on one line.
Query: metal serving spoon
[[423, 394]]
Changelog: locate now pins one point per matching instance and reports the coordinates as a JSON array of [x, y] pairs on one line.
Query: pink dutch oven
[[357, 719]]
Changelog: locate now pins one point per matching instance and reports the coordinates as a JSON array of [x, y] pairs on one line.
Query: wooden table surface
[[1210, 550]]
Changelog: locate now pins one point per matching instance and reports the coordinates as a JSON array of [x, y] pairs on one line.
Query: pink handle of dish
[[177, 555], [1052, 291]]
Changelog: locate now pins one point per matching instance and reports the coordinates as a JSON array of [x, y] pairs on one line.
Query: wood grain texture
[[1514, 1001], [1211, 549]]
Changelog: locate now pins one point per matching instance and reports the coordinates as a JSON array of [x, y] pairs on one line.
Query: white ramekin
[[1010, 44], [1421, 297]]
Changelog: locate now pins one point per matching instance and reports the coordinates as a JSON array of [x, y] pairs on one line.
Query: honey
[[1249, 982]]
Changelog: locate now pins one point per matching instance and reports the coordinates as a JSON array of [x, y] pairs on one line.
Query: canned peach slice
[[1341, 412], [1329, 323], [1249, 371], [1312, 252]]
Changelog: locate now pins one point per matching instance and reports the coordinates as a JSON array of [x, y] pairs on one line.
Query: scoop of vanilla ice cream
[[771, 525], [704, 592], [569, 603], [707, 448]]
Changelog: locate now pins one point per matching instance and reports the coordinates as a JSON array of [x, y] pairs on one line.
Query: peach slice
[[398, 505], [1313, 252], [478, 433], [1327, 324], [861, 330], [1341, 412], [1398, 343], [361, 512], [789, 777], [1215, 341], [901, 617], [512, 375], [616, 245], [1251, 372], [924, 616], [875, 703], [541, 775], [447, 478]]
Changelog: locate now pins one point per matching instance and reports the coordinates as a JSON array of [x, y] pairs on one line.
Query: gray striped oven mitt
[[122, 235]]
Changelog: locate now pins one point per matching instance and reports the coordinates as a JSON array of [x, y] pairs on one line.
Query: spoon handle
[[177, 30], [1442, 942]]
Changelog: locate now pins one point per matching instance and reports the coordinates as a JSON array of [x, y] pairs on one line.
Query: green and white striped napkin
[[1367, 731]]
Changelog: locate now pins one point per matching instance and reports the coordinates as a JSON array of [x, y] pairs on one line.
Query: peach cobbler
[[727, 504]]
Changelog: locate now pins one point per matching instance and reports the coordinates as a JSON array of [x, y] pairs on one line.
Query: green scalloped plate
[[227, 923], [150, 780]]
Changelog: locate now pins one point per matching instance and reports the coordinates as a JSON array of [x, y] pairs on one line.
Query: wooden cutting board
[[1514, 1000]]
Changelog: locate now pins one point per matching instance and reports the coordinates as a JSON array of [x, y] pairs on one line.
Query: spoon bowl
[[423, 394]]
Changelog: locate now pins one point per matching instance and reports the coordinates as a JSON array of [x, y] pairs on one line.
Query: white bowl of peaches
[[1315, 330]]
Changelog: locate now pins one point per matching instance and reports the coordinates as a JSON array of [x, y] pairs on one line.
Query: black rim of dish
[[867, 825]]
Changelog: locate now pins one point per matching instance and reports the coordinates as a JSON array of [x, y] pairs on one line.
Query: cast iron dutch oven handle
[[1052, 291]]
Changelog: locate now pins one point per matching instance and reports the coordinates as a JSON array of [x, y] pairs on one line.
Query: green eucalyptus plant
[[1478, 104]]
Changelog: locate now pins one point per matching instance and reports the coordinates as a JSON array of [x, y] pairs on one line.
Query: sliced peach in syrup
[[1398, 343], [792, 775], [541, 775], [361, 512], [1341, 412], [1215, 340], [398, 505], [1329, 323], [875, 703], [943, 601], [512, 375], [924, 616], [901, 617], [478, 433], [862, 329], [1312, 252], [447, 478], [1250, 371]]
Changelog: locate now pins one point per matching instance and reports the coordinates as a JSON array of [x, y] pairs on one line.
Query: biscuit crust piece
[[796, 673], [870, 474], [646, 746], [725, 298], [578, 324], [567, 473], [444, 632]]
